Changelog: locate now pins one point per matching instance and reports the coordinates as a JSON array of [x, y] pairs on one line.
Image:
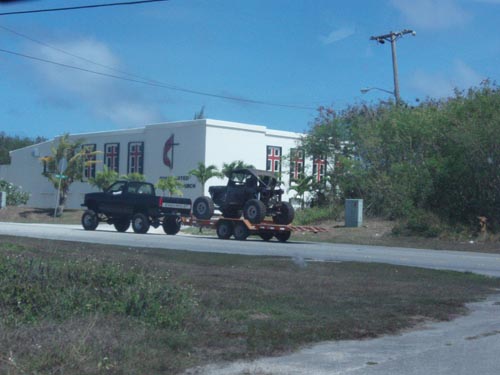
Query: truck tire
[[203, 208], [121, 225], [285, 215], [241, 231], [254, 211], [90, 221], [172, 225], [224, 229], [140, 223], [282, 236]]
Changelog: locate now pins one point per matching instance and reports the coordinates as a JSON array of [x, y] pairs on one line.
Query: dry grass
[[247, 306]]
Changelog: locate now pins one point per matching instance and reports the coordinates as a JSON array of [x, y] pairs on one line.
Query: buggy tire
[[282, 236], [203, 208], [285, 215], [241, 231], [254, 211], [172, 225], [224, 229], [121, 225], [140, 223], [90, 221]]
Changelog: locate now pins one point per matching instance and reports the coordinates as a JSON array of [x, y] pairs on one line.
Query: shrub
[[316, 214], [15, 196], [32, 289], [420, 223]]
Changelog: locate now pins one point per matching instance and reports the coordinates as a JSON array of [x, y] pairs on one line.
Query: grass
[[223, 307]]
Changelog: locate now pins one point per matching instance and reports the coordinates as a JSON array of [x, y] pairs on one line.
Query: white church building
[[166, 149]]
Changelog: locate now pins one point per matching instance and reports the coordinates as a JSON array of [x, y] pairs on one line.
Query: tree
[[170, 184], [302, 185], [65, 166], [204, 173], [134, 177], [227, 169], [104, 178], [9, 143]]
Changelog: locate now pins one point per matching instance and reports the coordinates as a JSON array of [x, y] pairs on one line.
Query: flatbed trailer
[[242, 228]]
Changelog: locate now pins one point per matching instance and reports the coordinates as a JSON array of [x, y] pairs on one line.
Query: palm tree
[[204, 173], [170, 184], [227, 169], [104, 178], [134, 177], [303, 185], [65, 166]]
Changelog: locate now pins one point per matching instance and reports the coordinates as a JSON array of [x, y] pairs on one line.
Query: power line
[[158, 84], [72, 54], [80, 7]]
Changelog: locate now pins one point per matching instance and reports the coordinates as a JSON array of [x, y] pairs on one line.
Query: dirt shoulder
[[375, 232]]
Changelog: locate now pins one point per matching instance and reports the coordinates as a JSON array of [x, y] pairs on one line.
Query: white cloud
[[337, 35], [105, 97], [438, 85], [432, 14]]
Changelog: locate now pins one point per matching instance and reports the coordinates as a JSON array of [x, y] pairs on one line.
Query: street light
[[392, 37], [366, 89]]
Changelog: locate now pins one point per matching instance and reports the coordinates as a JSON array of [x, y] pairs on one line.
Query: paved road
[[486, 264], [467, 345]]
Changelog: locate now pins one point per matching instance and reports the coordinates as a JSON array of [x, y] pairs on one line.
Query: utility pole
[[392, 37]]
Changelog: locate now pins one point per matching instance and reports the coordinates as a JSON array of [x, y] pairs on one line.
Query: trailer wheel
[[172, 225], [241, 231], [282, 236], [231, 213], [266, 236], [121, 225], [140, 223], [203, 208], [224, 229], [254, 211], [90, 220], [285, 215]]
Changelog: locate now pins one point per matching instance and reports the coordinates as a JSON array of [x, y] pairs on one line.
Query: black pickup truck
[[127, 202]]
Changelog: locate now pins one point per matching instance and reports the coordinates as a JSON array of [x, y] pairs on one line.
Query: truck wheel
[[172, 225], [254, 211], [282, 236], [140, 223], [266, 236], [224, 229], [203, 208], [90, 220], [241, 231], [121, 225], [285, 215]]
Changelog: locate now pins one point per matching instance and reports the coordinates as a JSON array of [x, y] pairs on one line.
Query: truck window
[[116, 188], [145, 189]]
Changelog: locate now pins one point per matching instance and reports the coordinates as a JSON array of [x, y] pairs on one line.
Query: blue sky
[[303, 53]]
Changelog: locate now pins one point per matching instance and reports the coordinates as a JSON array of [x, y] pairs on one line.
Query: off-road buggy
[[251, 192]]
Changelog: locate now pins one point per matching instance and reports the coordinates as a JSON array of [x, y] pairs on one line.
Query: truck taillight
[[160, 201]]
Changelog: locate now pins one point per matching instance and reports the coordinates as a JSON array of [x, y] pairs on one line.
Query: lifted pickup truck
[[127, 202]]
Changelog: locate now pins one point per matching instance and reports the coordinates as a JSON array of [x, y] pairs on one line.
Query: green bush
[[315, 215], [420, 223], [15, 196], [31, 289]]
